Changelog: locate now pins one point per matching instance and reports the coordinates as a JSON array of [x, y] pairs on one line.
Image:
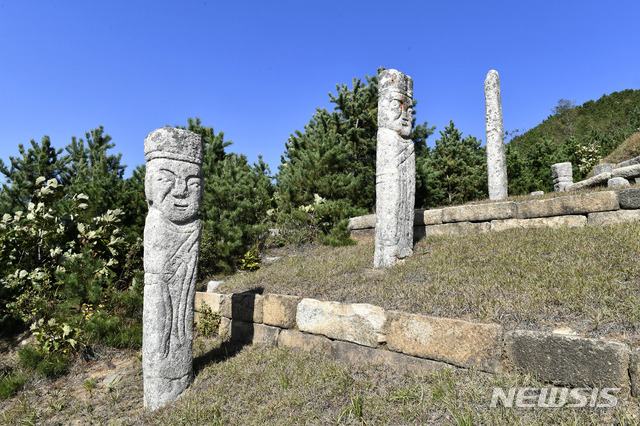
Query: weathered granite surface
[[568, 360], [496, 159], [627, 172], [631, 162], [479, 212], [457, 228], [173, 186], [571, 204], [358, 322], [462, 343], [629, 198], [395, 170], [617, 216], [618, 182], [570, 221], [305, 341], [603, 168], [280, 310], [592, 182], [562, 174]]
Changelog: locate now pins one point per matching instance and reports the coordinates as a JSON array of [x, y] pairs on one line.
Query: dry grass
[[627, 150], [259, 385], [585, 278]]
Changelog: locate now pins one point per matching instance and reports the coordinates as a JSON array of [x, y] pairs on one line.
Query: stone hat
[[174, 144], [394, 81]]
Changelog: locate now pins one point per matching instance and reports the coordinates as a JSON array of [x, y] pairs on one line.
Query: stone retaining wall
[[595, 208], [360, 332]]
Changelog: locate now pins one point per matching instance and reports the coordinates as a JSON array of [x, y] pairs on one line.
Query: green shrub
[[208, 322], [251, 260]]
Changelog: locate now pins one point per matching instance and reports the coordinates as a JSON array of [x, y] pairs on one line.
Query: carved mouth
[[181, 206]]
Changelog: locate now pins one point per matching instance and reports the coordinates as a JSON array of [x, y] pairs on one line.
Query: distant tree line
[[582, 135]]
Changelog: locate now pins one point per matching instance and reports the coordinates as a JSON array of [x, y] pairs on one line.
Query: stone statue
[[496, 158], [395, 169], [173, 187]]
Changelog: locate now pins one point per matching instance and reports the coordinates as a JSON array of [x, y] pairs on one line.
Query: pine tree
[[460, 165], [235, 202], [92, 171], [38, 160]]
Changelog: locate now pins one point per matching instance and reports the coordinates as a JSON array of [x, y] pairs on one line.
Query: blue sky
[[257, 70]]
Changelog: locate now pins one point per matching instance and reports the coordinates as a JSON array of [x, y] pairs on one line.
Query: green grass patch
[[11, 382], [47, 364]]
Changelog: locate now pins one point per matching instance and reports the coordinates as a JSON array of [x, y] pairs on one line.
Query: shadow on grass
[[243, 307]]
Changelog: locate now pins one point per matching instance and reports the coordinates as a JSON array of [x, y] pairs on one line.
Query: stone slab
[[280, 310], [629, 198], [568, 360], [265, 335], [618, 216], [213, 285], [603, 168], [432, 217], [358, 322], [420, 217], [627, 172], [569, 205], [248, 332], [457, 342], [239, 331], [355, 354], [618, 182], [362, 222], [246, 307], [457, 228], [631, 162], [224, 331], [571, 221], [479, 212], [592, 182], [305, 341], [219, 303]]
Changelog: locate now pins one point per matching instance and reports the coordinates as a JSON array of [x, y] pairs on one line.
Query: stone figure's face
[[175, 188], [396, 113]]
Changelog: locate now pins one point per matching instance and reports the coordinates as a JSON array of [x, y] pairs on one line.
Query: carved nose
[[180, 188]]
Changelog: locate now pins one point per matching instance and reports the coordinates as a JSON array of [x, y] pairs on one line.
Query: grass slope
[[627, 150], [586, 278]]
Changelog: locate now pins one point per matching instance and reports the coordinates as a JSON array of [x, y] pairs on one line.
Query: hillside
[[582, 135], [627, 150]]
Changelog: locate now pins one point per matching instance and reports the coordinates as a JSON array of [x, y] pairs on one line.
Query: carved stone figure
[[496, 158], [173, 187], [395, 169]]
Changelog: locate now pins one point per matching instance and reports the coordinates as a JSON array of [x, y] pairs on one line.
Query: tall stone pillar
[[173, 187], [496, 160], [395, 169]]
